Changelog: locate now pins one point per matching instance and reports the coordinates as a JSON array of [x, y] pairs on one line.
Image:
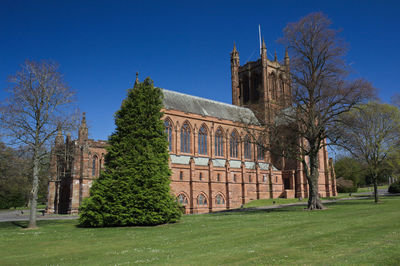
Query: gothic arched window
[[182, 199], [282, 90], [201, 200], [168, 132], [272, 85], [203, 141], [260, 152], [94, 166], [234, 142], [247, 148], [219, 200], [185, 138], [219, 143]]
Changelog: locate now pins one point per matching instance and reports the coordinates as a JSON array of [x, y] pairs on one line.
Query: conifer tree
[[134, 188]]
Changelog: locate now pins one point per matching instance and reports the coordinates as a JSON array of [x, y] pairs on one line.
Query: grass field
[[348, 232]]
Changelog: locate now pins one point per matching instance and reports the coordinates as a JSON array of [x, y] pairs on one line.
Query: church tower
[[262, 85]]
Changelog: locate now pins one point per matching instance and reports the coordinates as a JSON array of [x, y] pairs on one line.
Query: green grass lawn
[[280, 201], [348, 232], [370, 189]]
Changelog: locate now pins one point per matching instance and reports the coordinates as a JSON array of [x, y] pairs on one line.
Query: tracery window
[[219, 143], [247, 148], [234, 142], [182, 199], [203, 141], [219, 200], [94, 166], [168, 132], [185, 138], [282, 90], [201, 200], [260, 153], [272, 85]]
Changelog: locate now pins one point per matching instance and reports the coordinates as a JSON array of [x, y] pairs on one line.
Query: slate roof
[[192, 104]]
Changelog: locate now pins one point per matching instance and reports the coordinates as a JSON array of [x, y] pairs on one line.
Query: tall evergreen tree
[[134, 188]]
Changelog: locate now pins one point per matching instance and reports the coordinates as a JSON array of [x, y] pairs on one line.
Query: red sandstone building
[[215, 166]]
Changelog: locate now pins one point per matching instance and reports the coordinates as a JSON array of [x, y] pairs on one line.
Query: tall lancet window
[[282, 90], [247, 148], [94, 166], [168, 132], [203, 141], [219, 143], [185, 138], [260, 153], [234, 142]]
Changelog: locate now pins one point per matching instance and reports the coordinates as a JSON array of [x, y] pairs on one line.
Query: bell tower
[[262, 85]]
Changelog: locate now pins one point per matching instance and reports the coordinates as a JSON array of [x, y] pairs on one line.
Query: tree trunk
[[34, 191], [376, 187], [314, 202]]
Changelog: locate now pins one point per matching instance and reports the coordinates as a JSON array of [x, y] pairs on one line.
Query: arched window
[[203, 141], [234, 142], [185, 138], [94, 162], [247, 148], [201, 200], [282, 89], [260, 152], [219, 143], [219, 200], [168, 132], [272, 85], [182, 199]]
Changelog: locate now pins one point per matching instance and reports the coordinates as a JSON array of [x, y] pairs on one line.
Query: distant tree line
[[16, 177], [370, 133]]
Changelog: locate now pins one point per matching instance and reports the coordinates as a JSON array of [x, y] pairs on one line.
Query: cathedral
[[215, 165]]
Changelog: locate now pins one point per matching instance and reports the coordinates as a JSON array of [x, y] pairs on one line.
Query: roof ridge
[[206, 99]]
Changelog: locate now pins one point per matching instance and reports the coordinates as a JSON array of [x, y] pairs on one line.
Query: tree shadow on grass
[[294, 208], [20, 224]]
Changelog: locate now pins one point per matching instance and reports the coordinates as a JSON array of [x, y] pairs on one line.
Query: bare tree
[[396, 99], [39, 105], [371, 133], [320, 93]]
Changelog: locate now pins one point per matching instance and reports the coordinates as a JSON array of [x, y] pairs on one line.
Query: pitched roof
[[192, 104]]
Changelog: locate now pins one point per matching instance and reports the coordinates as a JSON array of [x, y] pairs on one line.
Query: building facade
[[215, 164]]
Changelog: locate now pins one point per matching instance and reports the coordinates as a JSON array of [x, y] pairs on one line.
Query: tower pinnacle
[[137, 79], [83, 130], [286, 59]]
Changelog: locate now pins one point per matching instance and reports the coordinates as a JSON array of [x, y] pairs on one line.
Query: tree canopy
[[39, 104], [371, 133], [134, 188], [321, 93]]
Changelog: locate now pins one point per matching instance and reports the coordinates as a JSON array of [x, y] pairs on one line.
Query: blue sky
[[182, 45]]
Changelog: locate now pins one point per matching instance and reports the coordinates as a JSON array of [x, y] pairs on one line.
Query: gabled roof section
[[192, 104]]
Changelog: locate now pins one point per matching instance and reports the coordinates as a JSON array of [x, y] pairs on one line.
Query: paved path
[[23, 215]]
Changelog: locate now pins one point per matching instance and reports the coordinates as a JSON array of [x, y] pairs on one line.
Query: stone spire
[[286, 59], [136, 80], [83, 130], [235, 75], [59, 138], [234, 53], [263, 49], [264, 54], [276, 58]]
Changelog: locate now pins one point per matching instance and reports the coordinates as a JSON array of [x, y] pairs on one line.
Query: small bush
[[345, 186], [394, 187]]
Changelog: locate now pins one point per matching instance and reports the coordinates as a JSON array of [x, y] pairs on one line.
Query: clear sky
[[182, 45]]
